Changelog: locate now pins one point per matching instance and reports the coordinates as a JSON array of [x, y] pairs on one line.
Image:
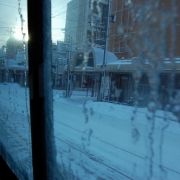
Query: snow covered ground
[[99, 134], [95, 140]]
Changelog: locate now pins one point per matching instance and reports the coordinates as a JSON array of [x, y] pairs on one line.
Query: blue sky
[[10, 21]]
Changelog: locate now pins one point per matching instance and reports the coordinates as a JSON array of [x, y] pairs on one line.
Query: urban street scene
[[108, 85]]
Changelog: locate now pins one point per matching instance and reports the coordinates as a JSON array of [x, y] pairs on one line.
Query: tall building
[[71, 23], [85, 22], [91, 23]]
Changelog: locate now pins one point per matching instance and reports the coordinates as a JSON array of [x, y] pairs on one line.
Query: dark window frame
[[41, 100]]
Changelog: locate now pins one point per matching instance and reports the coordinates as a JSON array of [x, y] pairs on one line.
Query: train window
[[104, 90], [15, 127], [119, 116]]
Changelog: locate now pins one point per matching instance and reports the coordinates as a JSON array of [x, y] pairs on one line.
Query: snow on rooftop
[[13, 64], [99, 55]]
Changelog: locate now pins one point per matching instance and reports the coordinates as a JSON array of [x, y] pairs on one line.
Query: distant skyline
[[10, 23]]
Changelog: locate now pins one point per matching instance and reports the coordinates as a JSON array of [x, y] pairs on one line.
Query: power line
[[56, 11], [13, 3], [4, 27], [74, 7], [7, 22], [69, 19], [58, 4], [62, 8], [12, 6]]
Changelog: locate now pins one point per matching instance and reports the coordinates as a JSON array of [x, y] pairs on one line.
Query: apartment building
[[147, 31], [143, 27]]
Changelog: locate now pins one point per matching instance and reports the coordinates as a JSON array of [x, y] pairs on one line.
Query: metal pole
[[67, 88], [102, 84], [56, 77], [110, 82], [68, 69]]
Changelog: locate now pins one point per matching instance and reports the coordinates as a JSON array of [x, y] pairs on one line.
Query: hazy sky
[[10, 21]]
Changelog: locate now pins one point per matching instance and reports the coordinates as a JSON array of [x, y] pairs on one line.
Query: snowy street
[[94, 139], [105, 141]]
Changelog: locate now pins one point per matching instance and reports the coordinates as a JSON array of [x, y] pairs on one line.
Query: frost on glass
[[15, 137], [116, 90]]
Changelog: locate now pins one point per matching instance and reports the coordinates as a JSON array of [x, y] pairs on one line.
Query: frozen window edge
[[20, 172]]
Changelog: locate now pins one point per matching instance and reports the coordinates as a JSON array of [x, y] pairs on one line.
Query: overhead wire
[[12, 6], [72, 8], [14, 3], [58, 4], [62, 8], [58, 9]]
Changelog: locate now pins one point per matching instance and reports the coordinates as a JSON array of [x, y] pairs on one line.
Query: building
[[87, 19], [145, 40], [72, 23], [85, 23], [60, 57], [143, 27], [91, 23], [148, 32]]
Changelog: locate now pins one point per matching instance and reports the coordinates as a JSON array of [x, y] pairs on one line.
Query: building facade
[[147, 32], [143, 27]]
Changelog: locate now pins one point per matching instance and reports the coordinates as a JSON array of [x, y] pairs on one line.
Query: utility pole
[[68, 67], [57, 64], [67, 94], [101, 88]]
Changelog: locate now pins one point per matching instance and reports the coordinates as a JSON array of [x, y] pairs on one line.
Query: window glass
[[116, 112], [79, 62], [15, 134]]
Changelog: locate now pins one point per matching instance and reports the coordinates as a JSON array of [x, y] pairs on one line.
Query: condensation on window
[[116, 89], [15, 135]]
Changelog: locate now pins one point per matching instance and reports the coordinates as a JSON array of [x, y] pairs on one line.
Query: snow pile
[[118, 110]]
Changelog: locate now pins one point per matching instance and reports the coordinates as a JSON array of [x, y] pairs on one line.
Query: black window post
[[39, 48]]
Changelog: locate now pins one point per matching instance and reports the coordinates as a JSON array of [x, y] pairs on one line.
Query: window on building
[[79, 62], [90, 60]]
